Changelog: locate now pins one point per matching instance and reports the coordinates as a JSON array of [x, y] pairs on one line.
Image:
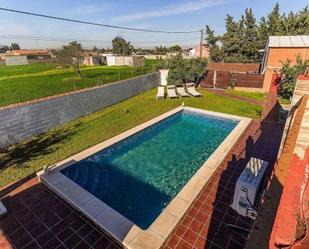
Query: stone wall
[[22, 121]]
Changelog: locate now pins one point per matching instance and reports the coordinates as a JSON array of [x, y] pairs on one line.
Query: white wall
[[111, 60]]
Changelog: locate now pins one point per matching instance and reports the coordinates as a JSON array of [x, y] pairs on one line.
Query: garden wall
[[222, 79], [22, 121]]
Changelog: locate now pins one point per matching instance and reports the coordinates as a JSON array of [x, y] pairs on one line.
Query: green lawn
[[24, 159], [27, 82], [252, 95]]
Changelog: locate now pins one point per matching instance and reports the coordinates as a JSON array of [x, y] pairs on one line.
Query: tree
[[250, 47], [71, 55], [175, 48], [184, 70], [121, 46], [14, 46], [289, 74], [262, 32], [231, 44], [160, 50], [244, 38], [296, 23], [4, 49], [215, 52], [274, 21]]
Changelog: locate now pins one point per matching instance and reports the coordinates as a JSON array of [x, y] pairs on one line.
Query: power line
[[98, 24], [61, 39]]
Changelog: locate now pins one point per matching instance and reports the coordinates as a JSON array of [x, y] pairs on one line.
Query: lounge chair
[[171, 92], [160, 93], [181, 91], [192, 91]]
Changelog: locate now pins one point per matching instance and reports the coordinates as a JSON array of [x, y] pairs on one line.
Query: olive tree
[[184, 70], [71, 55]]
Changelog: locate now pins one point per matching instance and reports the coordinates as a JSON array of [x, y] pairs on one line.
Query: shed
[[132, 61], [16, 60], [281, 48]]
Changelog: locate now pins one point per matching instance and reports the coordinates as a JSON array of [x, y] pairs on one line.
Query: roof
[[234, 67], [27, 52], [297, 41]]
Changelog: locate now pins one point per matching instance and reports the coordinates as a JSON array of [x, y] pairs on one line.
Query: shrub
[[289, 76]]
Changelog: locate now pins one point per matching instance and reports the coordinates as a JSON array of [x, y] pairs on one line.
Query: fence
[[22, 121], [222, 79]]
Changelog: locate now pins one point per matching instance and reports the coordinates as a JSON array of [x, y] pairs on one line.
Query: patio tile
[[93, 237], [190, 237], [173, 241], [102, 242], [196, 226], [183, 245], [72, 241]]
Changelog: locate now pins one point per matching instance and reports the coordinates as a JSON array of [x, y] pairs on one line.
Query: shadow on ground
[[263, 143], [17, 155]]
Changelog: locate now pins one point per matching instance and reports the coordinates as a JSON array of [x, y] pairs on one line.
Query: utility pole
[[201, 43]]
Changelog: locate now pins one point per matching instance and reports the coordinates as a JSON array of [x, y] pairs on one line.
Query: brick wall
[[22, 121]]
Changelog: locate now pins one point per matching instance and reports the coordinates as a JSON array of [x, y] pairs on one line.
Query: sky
[[170, 15]]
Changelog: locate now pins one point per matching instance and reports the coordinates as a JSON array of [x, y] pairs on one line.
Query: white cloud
[[174, 9], [91, 9]]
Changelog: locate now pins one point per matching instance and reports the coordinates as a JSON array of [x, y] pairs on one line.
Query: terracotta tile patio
[[204, 224], [39, 219]]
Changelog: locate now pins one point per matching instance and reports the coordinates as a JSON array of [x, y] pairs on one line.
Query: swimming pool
[[137, 185], [141, 174]]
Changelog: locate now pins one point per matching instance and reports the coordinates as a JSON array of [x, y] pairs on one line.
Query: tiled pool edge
[[118, 226]]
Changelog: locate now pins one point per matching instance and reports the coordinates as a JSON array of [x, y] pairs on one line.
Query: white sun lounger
[[171, 92], [160, 93], [192, 91], [181, 91]]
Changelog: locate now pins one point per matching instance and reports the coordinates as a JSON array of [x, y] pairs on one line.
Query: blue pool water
[[140, 175]]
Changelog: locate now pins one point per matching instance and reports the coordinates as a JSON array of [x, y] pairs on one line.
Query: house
[[195, 52], [92, 60], [132, 61], [23, 56], [282, 48], [2, 56], [30, 53]]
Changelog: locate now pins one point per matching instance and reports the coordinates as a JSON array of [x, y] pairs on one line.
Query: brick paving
[[37, 218], [204, 224]]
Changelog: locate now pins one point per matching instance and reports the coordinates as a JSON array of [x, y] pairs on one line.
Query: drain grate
[[3, 209]]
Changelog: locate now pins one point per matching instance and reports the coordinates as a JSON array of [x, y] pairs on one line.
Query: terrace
[[38, 218]]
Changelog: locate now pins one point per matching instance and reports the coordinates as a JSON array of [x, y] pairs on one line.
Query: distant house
[[30, 53], [195, 52], [23, 56], [281, 48], [93, 60], [2, 56], [132, 61]]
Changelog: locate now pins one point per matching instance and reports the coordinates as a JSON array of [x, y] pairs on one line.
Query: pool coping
[[115, 224]]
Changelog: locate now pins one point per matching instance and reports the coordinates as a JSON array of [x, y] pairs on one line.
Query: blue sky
[[148, 14]]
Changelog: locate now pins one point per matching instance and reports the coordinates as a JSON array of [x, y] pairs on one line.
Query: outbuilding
[[279, 49]]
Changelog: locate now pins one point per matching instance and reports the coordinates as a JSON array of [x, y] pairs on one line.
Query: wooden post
[[201, 43]]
